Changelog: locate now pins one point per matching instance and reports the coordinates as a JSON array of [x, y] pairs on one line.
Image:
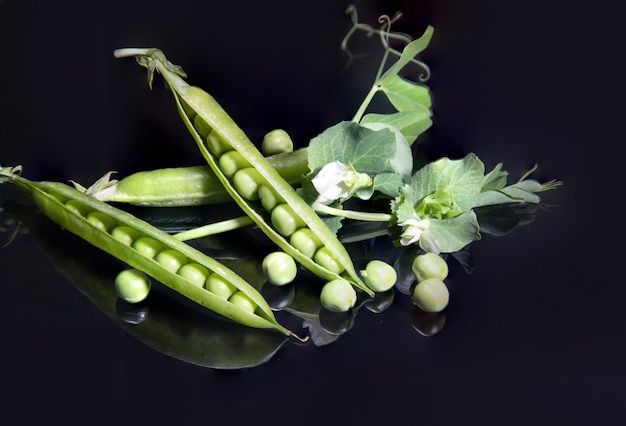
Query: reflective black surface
[[534, 335]]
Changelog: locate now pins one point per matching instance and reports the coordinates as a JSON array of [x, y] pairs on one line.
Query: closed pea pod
[[52, 198], [193, 102]]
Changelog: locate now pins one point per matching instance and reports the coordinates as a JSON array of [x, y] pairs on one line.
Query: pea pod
[[70, 209], [187, 186], [165, 325], [215, 133]]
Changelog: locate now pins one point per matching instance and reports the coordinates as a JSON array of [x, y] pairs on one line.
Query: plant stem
[[352, 214], [214, 228]]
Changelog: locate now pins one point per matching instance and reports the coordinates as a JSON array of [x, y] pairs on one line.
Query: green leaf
[[495, 178], [460, 179], [410, 51], [410, 123], [388, 184], [455, 233], [406, 95], [368, 151]]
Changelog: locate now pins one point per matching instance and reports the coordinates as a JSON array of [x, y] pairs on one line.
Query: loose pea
[[77, 207], [285, 220], [171, 259], [195, 273], [132, 285], [240, 299], [269, 197], [431, 295], [201, 126], [219, 286], [101, 220], [323, 256], [276, 141], [279, 268], [429, 265], [232, 161], [147, 246], [125, 234], [379, 276], [305, 240], [338, 296], [247, 181]]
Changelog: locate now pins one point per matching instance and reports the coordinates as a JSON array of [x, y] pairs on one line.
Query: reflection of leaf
[[499, 220]]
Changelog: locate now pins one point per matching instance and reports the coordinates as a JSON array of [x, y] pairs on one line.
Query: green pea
[[276, 142], [149, 247], [216, 145], [125, 234], [101, 220], [379, 276], [323, 256], [171, 260], [247, 181], [429, 265], [305, 240], [132, 285], [338, 296], [285, 220], [217, 285], [279, 268], [241, 300], [195, 273], [202, 127], [269, 197], [77, 207], [431, 295], [232, 161]]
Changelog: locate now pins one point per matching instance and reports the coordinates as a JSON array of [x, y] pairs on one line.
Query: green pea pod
[[168, 327], [194, 104], [187, 186], [69, 208]]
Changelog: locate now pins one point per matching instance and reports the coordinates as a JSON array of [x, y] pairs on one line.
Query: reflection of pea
[[427, 323], [336, 322]]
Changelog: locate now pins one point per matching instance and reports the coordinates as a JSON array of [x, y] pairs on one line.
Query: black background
[[533, 336]]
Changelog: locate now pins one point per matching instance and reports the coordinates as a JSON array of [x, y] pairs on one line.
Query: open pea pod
[[71, 209], [215, 133], [167, 327]]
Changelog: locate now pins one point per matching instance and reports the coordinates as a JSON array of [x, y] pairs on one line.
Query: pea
[[279, 268], [276, 142], [125, 234], [285, 220], [171, 260], [431, 295], [132, 285], [247, 181], [217, 145], [338, 296], [429, 265], [77, 207], [201, 126], [325, 257], [269, 197], [240, 299], [148, 247], [195, 273], [101, 220], [379, 276], [305, 240], [232, 161], [219, 286]]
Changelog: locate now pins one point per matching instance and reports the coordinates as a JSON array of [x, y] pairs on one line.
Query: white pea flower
[[412, 230], [338, 181]]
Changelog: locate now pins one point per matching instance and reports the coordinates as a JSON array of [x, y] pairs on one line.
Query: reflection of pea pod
[[169, 328]]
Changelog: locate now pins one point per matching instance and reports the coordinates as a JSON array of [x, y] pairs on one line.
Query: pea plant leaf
[[455, 233], [406, 95], [410, 123], [409, 52], [369, 151]]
